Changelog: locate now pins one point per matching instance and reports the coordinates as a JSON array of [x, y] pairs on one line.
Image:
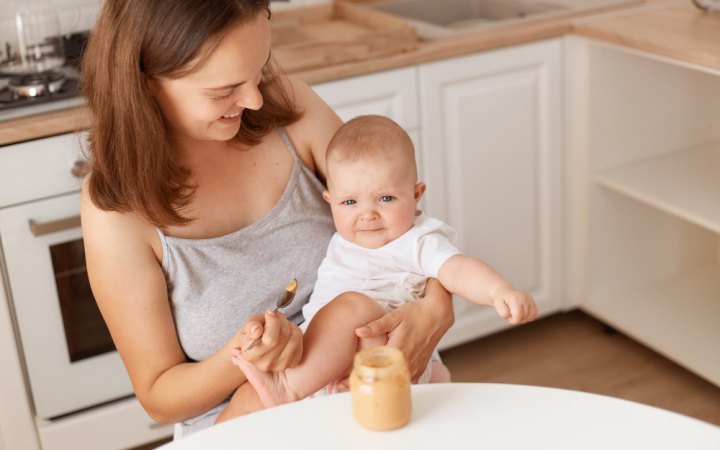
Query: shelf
[[654, 314], [685, 184]]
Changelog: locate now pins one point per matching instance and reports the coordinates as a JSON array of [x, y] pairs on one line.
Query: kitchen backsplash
[[73, 15]]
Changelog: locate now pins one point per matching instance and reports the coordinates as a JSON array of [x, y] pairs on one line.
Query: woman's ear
[[419, 190], [151, 85]]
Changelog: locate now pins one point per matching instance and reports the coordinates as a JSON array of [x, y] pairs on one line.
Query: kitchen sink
[[439, 18], [436, 19]]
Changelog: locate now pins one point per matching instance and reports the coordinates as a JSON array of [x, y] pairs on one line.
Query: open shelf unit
[[648, 246], [656, 312]]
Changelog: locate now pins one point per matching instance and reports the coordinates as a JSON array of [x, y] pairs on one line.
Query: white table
[[466, 416]]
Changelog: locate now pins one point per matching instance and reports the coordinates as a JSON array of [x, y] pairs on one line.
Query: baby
[[381, 256]]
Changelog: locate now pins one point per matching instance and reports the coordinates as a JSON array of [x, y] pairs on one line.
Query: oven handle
[[54, 226]]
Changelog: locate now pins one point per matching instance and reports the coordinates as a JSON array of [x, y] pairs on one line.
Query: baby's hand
[[515, 306], [235, 356]]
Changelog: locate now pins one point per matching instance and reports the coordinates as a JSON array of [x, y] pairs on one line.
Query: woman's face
[[208, 104]]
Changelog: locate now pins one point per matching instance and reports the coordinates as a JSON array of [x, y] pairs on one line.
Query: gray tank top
[[215, 284]]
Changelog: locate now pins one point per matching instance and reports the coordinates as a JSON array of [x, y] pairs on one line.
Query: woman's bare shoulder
[[112, 230]]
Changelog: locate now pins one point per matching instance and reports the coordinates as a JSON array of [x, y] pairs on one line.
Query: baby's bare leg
[[440, 373], [329, 346], [244, 401]]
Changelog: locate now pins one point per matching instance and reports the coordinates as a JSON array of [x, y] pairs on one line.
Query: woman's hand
[[433, 316], [279, 342]]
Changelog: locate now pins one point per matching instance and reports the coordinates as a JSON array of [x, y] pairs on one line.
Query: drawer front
[[40, 168], [116, 426]]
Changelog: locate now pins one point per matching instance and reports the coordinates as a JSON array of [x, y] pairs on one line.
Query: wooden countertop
[[676, 29], [43, 125]]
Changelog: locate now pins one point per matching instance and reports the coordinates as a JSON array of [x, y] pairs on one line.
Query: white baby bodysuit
[[392, 274]]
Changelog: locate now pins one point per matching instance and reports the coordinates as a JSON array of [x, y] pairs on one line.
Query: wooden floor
[[575, 351]]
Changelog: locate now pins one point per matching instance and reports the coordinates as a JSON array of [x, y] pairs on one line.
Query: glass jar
[[380, 388]]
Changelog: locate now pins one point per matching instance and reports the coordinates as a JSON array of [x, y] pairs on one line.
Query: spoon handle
[[252, 345], [257, 340]]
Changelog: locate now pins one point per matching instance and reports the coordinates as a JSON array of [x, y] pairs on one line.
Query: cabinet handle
[[156, 425], [54, 226]]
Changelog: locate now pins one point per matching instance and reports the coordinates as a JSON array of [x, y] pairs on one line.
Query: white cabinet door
[[392, 93], [492, 156]]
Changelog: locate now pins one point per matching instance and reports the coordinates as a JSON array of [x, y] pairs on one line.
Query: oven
[[72, 370]]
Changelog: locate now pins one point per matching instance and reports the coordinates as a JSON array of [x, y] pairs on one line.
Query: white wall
[[80, 15], [72, 15]]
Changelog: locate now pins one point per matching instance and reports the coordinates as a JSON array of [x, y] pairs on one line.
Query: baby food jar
[[380, 388]]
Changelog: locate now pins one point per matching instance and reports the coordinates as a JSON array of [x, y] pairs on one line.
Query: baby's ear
[[326, 196], [419, 190]]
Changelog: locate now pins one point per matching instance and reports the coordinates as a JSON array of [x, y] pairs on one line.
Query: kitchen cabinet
[[491, 130], [17, 428], [643, 198], [391, 93]]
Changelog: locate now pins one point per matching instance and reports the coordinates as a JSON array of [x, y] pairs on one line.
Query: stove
[[27, 95], [36, 85]]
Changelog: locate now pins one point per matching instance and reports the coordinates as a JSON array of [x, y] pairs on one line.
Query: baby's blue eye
[[386, 198], [349, 202]]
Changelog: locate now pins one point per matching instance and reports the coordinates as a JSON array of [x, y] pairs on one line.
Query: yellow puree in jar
[[380, 389]]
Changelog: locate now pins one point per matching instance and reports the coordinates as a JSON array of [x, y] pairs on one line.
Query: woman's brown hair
[[132, 168]]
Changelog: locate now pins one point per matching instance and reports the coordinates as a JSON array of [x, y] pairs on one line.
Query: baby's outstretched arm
[[478, 282]]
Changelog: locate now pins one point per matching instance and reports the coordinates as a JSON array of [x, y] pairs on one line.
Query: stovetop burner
[[36, 84], [24, 95]]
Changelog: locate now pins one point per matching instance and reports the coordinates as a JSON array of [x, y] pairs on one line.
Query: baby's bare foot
[[272, 387]]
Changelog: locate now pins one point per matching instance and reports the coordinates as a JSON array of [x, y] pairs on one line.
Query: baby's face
[[373, 202]]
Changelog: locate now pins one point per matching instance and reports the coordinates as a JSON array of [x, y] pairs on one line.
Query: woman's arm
[[130, 290], [433, 316], [312, 133]]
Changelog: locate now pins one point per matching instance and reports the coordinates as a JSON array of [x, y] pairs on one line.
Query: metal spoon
[[282, 301]]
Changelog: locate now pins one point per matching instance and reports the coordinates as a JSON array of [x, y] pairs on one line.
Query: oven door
[[70, 359]]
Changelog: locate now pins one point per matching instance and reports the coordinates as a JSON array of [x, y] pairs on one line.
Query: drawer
[[120, 425], [41, 168]]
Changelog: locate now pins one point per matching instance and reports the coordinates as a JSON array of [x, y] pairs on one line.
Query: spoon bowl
[[287, 296]]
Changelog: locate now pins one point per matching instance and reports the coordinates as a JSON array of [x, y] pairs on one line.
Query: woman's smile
[[231, 118]]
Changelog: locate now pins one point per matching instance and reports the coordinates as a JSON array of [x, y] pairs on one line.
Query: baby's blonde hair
[[370, 136]]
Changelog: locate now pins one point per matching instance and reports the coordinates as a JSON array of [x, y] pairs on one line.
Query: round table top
[[466, 416]]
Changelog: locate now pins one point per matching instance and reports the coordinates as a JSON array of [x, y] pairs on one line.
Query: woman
[[204, 199]]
